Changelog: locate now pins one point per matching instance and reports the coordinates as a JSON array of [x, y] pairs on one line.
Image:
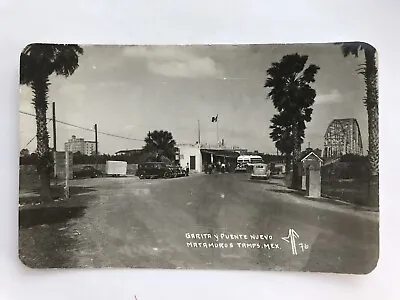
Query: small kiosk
[[311, 174]]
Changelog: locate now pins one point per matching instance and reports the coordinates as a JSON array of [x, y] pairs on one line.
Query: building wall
[[186, 152], [89, 148]]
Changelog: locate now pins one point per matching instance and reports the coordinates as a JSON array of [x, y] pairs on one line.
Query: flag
[[214, 119]]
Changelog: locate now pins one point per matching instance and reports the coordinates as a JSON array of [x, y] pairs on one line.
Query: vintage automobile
[[154, 170], [261, 171], [177, 171], [87, 172]]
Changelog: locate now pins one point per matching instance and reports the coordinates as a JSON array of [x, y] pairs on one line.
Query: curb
[[332, 200], [355, 206]]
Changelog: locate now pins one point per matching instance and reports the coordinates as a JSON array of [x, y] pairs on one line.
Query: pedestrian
[[223, 167], [187, 169], [209, 168]]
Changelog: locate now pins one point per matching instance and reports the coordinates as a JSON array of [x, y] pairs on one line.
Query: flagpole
[[217, 134]]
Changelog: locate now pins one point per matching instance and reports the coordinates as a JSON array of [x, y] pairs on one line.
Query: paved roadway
[[144, 223]]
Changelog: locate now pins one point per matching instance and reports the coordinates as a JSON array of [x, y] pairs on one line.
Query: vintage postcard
[[224, 157]]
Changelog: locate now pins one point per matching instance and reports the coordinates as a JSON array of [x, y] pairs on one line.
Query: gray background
[[181, 22]]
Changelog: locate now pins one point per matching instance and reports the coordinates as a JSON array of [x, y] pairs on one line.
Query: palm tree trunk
[[296, 177], [40, 91], [371, 103], [287, 162]]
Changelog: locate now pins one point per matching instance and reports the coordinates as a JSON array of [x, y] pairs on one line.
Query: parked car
[[261, 171], [178, 171], [154, 170], [87, 172]]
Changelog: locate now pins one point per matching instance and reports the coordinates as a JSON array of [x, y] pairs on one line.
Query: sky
[[131, 90]]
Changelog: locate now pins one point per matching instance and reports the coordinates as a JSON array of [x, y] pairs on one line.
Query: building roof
[[307, 155], [225, 153], [345, 119], [129, 151]]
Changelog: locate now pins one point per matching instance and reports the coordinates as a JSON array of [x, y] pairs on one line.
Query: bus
[[246, 162]]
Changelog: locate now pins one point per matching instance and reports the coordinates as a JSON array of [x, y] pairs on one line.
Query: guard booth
[[311, 175]]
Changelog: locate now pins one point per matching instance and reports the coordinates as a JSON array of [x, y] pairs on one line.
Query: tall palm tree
[[37, 63], [291, 93], [370, 72], [160, 143]]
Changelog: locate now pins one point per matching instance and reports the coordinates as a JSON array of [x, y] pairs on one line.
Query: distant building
[[75, 145], [342, 137]]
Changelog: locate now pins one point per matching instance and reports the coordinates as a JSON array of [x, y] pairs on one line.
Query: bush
[[351, 167], [29, 159], [354, 158]]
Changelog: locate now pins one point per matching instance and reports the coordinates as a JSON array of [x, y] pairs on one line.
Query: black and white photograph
[[225, 157]]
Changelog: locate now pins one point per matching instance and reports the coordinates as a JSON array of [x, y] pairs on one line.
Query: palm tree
[[38, 62], [370, 72], [291, 93], [160, 143]]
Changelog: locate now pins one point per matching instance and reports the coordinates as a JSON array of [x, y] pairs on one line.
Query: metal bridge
[[342, 137]]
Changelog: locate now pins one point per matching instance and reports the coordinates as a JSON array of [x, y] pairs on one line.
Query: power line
[[34, 137], [87, 129]]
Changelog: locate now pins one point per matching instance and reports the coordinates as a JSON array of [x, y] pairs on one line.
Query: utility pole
[[66, 189], [198, 127], [54, 128], [54, 141], [95, 138], [217, 134], [96, 142]]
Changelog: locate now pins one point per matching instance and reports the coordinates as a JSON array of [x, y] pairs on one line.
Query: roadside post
[[313, 181], [303, 177], [66, 188], [311, 165]]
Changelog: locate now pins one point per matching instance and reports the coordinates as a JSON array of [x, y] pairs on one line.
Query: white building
[[197, 156], [75, 145], [190, 154]]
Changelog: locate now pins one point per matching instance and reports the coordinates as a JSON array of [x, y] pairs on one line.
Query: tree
[[24, 153], [292, 95], [37, 63], [281, 134], [160, 143], [370, 72]]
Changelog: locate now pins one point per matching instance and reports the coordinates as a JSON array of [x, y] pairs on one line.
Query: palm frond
[[41, 60]]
